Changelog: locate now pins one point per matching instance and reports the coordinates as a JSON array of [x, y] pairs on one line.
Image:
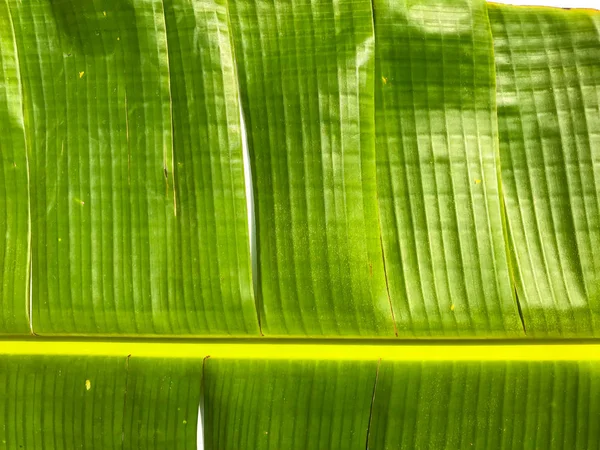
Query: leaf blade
[[438, 180], [547, 69], [305, 81], [47, 403], [266, 404], [161, 403], [14, 193], [212, 216], [110, 254], [447, 405]]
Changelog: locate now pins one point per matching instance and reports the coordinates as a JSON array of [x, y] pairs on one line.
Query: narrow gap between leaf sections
[[200, 425], [125, 399], [372, 403], [249, 186]]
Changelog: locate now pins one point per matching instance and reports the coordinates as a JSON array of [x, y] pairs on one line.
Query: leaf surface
[[61, 402], [438, 170], [14, 197], [305, 71], [486, 405], [98, 402], [548, 70], [138, 214], [212, 265], [271, 404], [161, 403]]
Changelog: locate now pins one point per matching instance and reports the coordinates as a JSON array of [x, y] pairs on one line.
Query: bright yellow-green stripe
[[322, 351]]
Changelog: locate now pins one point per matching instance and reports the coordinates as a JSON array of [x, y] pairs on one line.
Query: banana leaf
[[306, 71], [98, 402], [132, 262], [419, 169], [486, 405], [138, 209], [438, 170], [213, 251], [548, 72], [377, 397], [161, 403], [275, 404], [61, 402], [14, 190]]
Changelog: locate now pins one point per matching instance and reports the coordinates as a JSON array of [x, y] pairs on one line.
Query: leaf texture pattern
[[305, 72], [438, 170], [108, 107], [65, 402], [14, 194], [271, 404], [490, 405], [414, 164], [161, 403], [99, 402], [548, 70]]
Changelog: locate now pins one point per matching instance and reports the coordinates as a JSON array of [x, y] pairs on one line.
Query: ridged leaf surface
[[137, 192], [161, 403], [276, 404], [212, 265], [548, 71], [14, 201], [486, 405], [61, 402], [305, 72], [98, 402], [438, 172]]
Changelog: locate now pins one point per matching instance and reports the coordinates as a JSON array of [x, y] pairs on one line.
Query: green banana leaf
[[161, 403], [438, 170], [503, 405], [100, 402], [271, 404], [213, 253], [99, 198], [413, 168], [135, 202], [548, 71], [138, 209], [63, 402], [405, 400], [14, 194], [306, 84]]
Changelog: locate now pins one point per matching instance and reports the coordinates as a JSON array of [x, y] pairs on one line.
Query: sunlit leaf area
[[299, 224]]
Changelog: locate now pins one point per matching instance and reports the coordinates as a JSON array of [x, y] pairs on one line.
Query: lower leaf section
[[62, 402], [99, 402], [443, 397], [486, 405], [161, 403], [271, 404]]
